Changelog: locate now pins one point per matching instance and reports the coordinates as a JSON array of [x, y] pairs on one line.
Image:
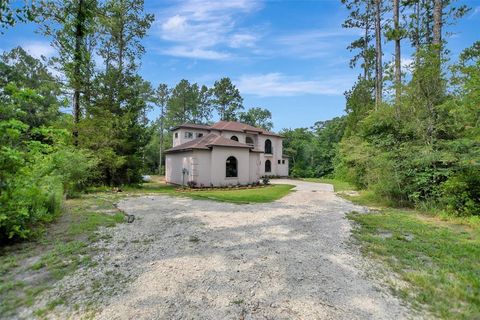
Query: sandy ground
[[195, 259]]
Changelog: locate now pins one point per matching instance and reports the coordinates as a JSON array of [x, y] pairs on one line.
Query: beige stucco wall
[[218, 165], [283, 168], [180, 139], [254, 167], [201, 167], [174, 163], [277, 154], [206, 167], [241, 136], [197, 162]]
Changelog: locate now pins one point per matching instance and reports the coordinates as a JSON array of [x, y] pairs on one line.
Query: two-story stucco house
[[226, 153]]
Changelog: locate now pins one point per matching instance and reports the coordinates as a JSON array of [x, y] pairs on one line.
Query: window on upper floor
[[283, 161], [176, 135], [199, 135], [188, 135], [268, 146], [234, 138], [279, 161], [249, 140]]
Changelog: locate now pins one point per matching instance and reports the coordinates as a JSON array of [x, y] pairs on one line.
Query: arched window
[[231, 167], [268, 166], [268, 146], [249, 140], [234, 138]]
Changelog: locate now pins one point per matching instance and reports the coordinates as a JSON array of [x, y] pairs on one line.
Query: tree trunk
[[365, 45], [398, 70], [162, 118], [417, 30], [378, 55], [437, 23], [426, 21], [78, 60]]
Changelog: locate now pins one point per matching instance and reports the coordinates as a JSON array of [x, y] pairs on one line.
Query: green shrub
[[461, 193], [27, 201], [34, 176], [266, 180], [75, 168]]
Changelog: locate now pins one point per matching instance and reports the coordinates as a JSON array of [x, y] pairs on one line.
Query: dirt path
[[191, 259]]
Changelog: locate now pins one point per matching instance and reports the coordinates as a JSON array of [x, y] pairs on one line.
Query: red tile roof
[[235, 126], [191, 126], [228, 126], [205, 142]]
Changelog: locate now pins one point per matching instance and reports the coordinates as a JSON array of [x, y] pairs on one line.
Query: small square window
[[188, 135], [283, 161], [278, 161], [199, 135], [176, 135]]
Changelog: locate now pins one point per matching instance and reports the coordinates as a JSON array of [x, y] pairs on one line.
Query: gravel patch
[[197, 259]]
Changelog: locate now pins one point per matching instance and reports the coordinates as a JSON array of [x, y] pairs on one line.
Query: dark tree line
[[46, 152], [411, 146]]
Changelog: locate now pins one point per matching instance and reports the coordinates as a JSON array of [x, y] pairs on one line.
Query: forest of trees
[[409, 135], [79, 119]]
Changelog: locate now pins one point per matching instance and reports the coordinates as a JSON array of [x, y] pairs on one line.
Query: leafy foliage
[[313, 151], [227, 99], [36, 168], [430, 155], [257, 117]]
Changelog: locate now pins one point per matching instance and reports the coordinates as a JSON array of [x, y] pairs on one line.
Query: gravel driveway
[[197, 259]]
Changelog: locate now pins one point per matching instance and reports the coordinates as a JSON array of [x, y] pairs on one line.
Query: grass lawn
[[27, 269], [257, 195], [436, 256], [440, 260], [338, 185]]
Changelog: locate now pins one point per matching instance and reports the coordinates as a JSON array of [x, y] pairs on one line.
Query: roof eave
[[221, 145]]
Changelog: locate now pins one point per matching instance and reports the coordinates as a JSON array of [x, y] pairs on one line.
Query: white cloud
[[407, 62], [277, 84], [198, 53], [476, 11], [38, 49], [200, 27], [242, 40], [315, 43], [174, 23]]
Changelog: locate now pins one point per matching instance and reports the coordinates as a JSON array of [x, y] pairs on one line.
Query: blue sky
[[287, 56]]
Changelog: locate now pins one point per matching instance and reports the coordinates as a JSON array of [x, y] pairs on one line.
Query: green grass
[[436, 255], [256, 195], [368, 198], [59, 252], [338, 185], [65, 246], [440, 260]]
